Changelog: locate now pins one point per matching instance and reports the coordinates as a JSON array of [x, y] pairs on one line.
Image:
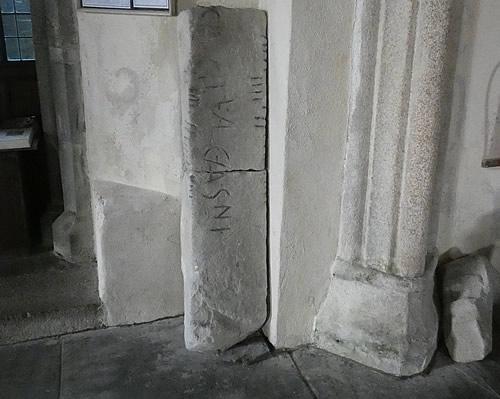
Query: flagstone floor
[[149, 361]]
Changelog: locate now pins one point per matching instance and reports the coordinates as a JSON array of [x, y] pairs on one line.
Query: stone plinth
[[223, 62], [382, 321]]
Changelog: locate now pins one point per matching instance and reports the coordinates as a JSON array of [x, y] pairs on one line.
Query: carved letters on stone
[[223, 59]]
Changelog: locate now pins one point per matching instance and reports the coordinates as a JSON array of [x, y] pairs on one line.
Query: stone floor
[[149, 361]]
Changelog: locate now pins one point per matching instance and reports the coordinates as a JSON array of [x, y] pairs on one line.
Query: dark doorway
[[24, 194]]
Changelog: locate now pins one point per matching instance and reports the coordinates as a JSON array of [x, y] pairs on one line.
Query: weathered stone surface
[[223, 61], [138, 253], [467, 309], [223, 257], [382, 321]]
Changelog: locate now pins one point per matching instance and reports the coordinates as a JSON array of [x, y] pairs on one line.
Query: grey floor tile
[[150, 361], [30, 371], [333, 377], [485, 372]]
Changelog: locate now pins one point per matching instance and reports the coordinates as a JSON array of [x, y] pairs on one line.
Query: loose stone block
[[224, 258], [223, 63], [382, 321], [467, 309]]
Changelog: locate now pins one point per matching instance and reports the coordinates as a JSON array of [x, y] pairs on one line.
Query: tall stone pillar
[[223, 61], [379, 309], [58, 67]]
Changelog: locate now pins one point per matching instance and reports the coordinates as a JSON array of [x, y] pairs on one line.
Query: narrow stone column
[[57, 46], [223, 60], [379, 310]]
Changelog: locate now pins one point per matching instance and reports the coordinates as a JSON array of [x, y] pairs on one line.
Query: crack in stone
[[302, 376], [487, 387]]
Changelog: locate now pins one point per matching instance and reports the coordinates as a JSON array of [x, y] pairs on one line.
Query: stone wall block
[[223, 63], [138, 253]]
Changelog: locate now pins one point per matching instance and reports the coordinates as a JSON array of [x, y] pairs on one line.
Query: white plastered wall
[[469, 216], [129, 64], [308, 82]]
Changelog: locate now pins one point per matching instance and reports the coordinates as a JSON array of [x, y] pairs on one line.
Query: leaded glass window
[[17, 30]]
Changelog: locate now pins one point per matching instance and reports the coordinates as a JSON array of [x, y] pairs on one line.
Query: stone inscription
[[209, 93], [223, 59]]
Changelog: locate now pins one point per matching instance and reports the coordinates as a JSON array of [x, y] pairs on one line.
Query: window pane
[[12, 49], [151, 3], [9, 25], [26, 46], [22, 5], [107, 3], [7, 6], [24, 25]]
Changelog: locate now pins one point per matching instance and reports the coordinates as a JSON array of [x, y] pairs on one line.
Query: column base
[[73, 238], [382, 321]]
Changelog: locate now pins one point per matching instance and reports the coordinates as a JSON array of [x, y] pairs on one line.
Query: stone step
[[42, 296], [30, 326], [58, 287]]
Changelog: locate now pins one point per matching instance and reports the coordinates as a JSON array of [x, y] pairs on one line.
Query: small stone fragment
[[247, 352], [467, 308]]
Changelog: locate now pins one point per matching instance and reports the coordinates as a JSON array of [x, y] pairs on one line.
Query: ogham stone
[[223, 62], [224, 258], [467, 308], [223, 58]]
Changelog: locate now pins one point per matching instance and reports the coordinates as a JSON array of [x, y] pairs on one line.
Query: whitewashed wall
[[129, 65], [469, 216], [130, 76]]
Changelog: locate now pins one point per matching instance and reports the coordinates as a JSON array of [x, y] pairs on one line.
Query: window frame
[[168, 11], [4, 59]]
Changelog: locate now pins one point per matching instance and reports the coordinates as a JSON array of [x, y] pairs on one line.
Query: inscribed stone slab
[[224, 258]]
